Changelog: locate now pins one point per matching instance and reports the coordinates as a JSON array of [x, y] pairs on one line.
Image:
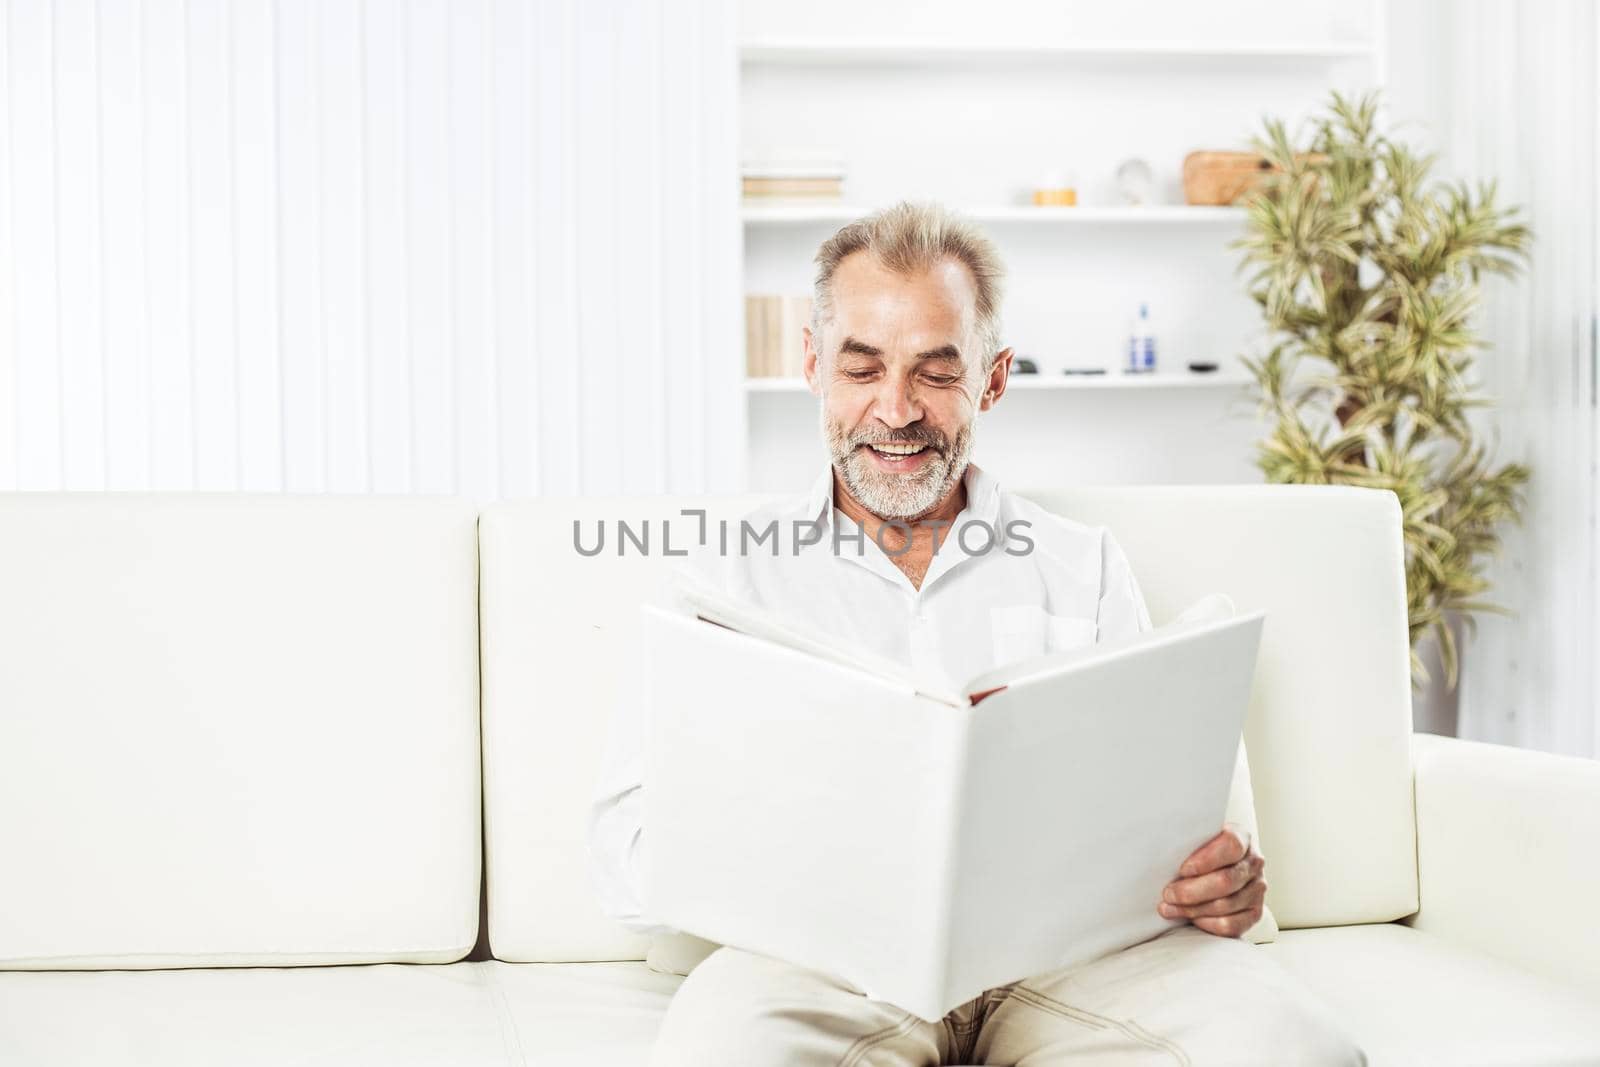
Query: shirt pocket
[[1064, 632], [1019, 631]]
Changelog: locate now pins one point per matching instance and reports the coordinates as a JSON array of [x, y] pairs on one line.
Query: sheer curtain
[[1507, 91], [483, 247]]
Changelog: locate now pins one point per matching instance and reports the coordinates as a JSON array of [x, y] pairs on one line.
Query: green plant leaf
[[1367, 272]]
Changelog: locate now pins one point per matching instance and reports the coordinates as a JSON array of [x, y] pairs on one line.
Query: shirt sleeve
[[1122, 610], [616, 840], [618, 843]]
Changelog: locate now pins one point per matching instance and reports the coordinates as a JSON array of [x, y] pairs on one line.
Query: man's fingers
[[1216, 885], [1219, 889], [1245, 899], [1228, 925], [1227, 847]]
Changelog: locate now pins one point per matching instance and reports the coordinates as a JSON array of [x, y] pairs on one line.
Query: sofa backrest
[[1329, 725], [1328, 728], [558, 634], [237, 730]]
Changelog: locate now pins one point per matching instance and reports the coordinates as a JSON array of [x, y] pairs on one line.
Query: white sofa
[[257, 751]]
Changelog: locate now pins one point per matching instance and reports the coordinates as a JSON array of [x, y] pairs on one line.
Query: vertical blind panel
[[124, 339], [300, 220], [638, 252], [557, 339], [254, 85], [37, 403], [386, 235], [78, 175], [8, 278], [681, 262], [168, 301], [511, 179], [597, 195], [429, 291], [210, 164], [479, 247], [473, 301], [722, 346], [342, 188]]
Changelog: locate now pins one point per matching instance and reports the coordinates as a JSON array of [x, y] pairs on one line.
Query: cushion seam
[[510, 1038]]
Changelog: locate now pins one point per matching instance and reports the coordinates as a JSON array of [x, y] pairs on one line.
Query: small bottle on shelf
[[1142, 344]]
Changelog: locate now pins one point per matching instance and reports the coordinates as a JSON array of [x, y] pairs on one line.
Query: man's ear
[[994, 386], [810, 366]]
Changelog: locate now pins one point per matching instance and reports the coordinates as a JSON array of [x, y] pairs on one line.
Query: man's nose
[[895, 405]]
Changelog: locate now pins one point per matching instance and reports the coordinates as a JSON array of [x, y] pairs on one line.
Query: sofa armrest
[[1508, 853]]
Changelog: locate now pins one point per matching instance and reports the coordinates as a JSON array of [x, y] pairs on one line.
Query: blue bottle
[[1142, 344]]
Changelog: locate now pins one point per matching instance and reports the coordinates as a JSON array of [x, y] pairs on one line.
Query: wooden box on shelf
[[1222, 178]]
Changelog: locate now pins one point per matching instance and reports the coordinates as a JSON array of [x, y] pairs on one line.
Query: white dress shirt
[[1008, 581]]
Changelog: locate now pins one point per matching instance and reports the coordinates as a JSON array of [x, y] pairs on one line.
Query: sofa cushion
[[378, 1015], [1508, 854], [479, 1014], [1411, 998], [1407, 997], [582, 1014], [237, 730]]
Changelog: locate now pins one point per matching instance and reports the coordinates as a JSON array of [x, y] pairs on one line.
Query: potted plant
[[1368, 276]]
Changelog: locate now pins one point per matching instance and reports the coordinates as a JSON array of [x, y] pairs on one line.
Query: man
[[903, 351]]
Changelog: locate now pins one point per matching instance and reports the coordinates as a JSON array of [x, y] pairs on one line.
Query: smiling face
[[902, 382]]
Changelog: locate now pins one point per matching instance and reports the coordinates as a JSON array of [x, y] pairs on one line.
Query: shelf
[[840, 53], [1049, 383], [789, 212]]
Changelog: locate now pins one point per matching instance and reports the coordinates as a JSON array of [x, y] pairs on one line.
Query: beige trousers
[[1186, 997]]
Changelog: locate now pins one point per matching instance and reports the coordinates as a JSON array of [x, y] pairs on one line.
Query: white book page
[[1035, 666], [711, 605]]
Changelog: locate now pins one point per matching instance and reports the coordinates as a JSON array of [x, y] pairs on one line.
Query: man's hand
[[1219, 888]]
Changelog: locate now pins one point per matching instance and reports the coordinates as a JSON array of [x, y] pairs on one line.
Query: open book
[[825, 806], [710, 605]]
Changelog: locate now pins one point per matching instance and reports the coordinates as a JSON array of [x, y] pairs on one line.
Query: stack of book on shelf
[[773, 344], [795, 180]]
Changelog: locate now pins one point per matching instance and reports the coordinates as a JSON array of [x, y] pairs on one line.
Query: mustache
[[905, 435]]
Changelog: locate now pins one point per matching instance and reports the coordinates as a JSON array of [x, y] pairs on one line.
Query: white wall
[[474, 246]]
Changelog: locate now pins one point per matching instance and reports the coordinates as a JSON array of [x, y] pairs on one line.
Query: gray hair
[[908, 238]]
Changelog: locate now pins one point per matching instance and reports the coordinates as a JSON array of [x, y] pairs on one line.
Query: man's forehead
[[880, 308]]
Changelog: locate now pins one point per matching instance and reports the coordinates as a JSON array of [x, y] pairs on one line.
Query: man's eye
[[943, 379], [858, 375]]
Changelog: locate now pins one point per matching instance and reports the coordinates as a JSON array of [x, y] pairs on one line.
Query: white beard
[[896, 496]]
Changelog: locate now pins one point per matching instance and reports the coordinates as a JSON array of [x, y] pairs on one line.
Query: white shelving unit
[[974, 118]]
